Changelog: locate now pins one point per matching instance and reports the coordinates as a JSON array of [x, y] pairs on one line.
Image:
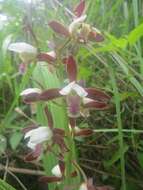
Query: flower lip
[[73, 86], [22, 47], [30, 91], [56, 171], [38, 135], [76, 23]]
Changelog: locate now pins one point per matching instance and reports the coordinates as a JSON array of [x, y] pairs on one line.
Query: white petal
[[67, 89], [52, 54], [83, 187], [39, 135], [80, 90], [22, 47], [56, 171], [76, 23], [29, 91], [87, 100], [31, 145]]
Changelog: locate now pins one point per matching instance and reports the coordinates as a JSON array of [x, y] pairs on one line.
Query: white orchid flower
[[76, 23], [28, 91], [38, 135], [73, 86], [83, 186], [26, 51], [56, 171]]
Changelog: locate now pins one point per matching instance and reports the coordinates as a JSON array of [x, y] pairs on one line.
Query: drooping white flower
[[56, 171], [38, 135], [76, 23], [26, 51], [83, 186], [73, 87], [30, 91], [22, 47]]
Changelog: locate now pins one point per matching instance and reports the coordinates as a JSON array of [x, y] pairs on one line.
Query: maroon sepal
[[96, 105], [49, 179], [32, 97], [34, 154], [84, 132], [71, 68], [94, 36], [61, 143], [79, 8], [96, 94], [59, 131], [29, 128], [45, 57], [49, 117], [59, 28], [62, 166], [50, 94]]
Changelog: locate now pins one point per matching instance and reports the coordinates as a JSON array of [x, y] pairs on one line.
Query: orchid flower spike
[[73, 86], [56, 171], [26, 51], [38, 135]]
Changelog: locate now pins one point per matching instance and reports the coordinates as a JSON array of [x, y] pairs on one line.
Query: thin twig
[[6, 166], [22, 170], [17, 179]]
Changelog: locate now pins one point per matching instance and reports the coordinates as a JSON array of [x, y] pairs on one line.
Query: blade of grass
[[120, 127]]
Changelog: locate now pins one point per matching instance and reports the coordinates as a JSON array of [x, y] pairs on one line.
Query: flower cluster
[[78, 99]]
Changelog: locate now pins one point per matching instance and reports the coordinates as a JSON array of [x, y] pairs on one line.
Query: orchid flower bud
[[26, 51], [56, 171]]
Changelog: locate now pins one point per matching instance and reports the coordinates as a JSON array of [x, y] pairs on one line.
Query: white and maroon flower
[[76, 23], [38, 136], [78, 98], [78, 30], [26, 51], [73, 87]]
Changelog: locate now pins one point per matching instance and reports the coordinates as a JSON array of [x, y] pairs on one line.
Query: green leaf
[[5, 186], [15, 139], [140, 158], [135, 34], [3, 144], [116, 156], [6, 43]]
